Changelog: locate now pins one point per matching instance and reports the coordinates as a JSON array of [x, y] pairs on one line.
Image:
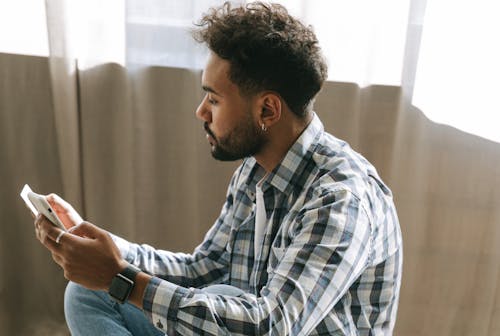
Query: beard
[[245, 140]]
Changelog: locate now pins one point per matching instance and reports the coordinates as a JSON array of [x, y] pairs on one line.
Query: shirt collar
[[288, 173]]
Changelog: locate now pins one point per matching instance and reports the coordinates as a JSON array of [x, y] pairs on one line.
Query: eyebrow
[[209, 89]]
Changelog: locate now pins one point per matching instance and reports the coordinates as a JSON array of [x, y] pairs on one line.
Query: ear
[[270, 109]]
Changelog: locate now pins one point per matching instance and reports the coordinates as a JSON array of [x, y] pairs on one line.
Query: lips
[[210, 134], [210, 139]]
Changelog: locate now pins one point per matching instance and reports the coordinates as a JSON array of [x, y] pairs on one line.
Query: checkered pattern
[[330, 262]]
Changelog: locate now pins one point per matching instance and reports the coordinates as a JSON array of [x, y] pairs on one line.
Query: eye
[[211, 100]]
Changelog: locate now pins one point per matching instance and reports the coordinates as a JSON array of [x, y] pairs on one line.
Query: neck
[[281, 136]]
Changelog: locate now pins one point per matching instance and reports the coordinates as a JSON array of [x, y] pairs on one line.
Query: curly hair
[[267, 49]]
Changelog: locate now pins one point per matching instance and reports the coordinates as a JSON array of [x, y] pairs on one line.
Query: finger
[[87, 230], [38, 219], [38, 222], [64, 209], [48, 230], [67, 241], [53, 247], [60, 236], [35, 221], [50, 244], [58, 203], [45, 224]]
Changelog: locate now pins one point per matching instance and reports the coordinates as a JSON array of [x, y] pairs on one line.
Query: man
[[308, 240]]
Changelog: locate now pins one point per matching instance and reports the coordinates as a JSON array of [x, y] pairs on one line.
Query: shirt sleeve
[[328, 251], [206, 265]]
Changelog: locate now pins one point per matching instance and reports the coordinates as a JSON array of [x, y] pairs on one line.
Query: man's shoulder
[[340, 167], [336, 158]]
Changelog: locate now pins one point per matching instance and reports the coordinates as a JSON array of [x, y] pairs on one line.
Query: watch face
[[120, 288]]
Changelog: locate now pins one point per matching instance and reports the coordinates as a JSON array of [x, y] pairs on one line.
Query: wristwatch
[[123, 284]]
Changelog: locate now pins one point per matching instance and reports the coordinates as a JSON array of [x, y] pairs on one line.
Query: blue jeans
[[95, 313]]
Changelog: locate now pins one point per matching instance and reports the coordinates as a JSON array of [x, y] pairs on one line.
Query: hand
[[86, 253], [66, 213]]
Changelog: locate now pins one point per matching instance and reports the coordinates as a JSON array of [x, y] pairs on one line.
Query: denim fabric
[[91, 313]]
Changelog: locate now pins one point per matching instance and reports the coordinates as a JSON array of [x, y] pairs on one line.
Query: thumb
[[86, 230], [58, 203], [63, 207]]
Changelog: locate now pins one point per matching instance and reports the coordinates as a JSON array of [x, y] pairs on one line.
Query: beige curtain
[[144, 171]]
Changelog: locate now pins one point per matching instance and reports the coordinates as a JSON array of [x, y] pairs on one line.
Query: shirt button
[[159, 324]]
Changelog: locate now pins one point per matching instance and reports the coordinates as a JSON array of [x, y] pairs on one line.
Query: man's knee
[[72, 298], [78, 298], [91, 312], [73, 290], [84, 307]]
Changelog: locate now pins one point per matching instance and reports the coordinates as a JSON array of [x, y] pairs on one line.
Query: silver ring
[[58, 239]]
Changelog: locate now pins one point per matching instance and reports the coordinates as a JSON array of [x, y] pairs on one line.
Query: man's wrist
[[123, 283], [137, 295]]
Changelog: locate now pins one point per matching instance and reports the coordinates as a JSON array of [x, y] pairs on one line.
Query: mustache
[[208, 130]]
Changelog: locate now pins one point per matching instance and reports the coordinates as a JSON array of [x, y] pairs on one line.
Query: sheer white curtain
[[23, 31], [458, 72], [364, 41], [158, 32]]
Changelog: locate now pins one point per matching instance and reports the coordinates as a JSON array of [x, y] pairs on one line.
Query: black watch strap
[[130, 272]]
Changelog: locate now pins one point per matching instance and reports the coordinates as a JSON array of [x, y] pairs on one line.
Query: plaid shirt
[[330, 262]]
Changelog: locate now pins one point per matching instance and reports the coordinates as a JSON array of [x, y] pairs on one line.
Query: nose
[[203, 112]]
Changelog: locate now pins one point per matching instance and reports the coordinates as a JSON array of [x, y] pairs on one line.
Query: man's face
[[230, 120]]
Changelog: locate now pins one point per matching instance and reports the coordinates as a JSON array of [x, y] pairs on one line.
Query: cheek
[[228, 116], [221, 121]]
